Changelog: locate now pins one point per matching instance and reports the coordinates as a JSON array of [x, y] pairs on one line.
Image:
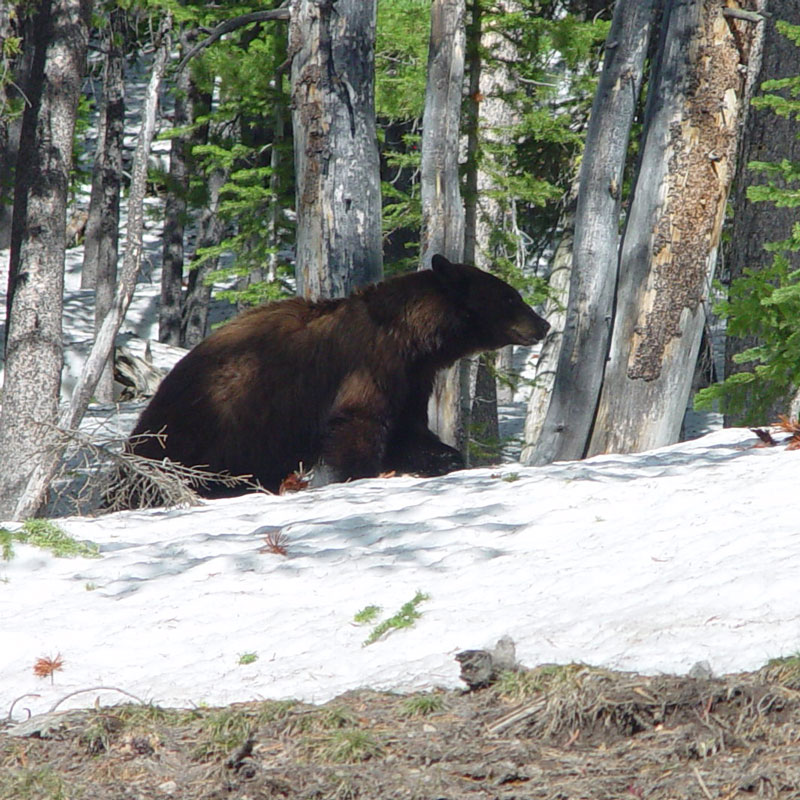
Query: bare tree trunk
[[102, 227], [198, 294], [13, 71], [667, 259], [336, 150], [35, 491], [169, 310], [36, 275], [766, 137], [584, 344], [555, 312], [442, 209]]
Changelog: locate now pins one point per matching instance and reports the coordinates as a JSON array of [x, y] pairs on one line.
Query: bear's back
[[254, 396]]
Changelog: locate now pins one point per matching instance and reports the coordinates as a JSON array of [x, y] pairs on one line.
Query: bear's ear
[[452, 276]]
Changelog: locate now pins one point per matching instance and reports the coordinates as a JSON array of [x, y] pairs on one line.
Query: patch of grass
[[366, 615], [6, 544], [276, 710], [420, 705], [33, 783], [48, 536], [221, 732], [522, 685], [784, 670], [345, 746], [148, 716], [248, 658], [404, 618]]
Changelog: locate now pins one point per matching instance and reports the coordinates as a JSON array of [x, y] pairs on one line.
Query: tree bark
[[46, 464], [102, 226], [36, 274], [14, 69], [692, 122], [555, 312], [169, 310], [442, 208], [336, 154], [198, 293], [584, 344], [771, 138]]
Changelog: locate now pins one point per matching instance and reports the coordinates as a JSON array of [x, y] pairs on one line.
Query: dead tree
[[339, 246], [442, 208], [567, 424], [692, 124]]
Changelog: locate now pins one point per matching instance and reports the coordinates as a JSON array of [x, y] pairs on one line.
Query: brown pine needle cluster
[[792, 427], [295, 482], [276, 542], [47, 665], [786, 425]]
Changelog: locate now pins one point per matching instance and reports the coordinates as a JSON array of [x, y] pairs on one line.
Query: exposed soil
[[554, 732]]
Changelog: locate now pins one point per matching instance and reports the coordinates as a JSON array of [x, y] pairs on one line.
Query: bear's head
[[497, 313]]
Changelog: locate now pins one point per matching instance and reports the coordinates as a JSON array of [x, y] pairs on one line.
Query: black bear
[[344, 382]]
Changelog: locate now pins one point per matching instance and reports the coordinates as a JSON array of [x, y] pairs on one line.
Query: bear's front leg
[[354, 445], [421, 452]]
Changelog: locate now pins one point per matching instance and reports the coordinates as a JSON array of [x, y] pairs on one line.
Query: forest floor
[[553, 732]]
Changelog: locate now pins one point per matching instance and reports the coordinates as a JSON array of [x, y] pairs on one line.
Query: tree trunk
[[102, 226], [169, 310], [667, 258], [335, 146], [14, 69], [36, 274], [198, 293], [35, 489], [442, 209], [555, 312], [567, 425], [771, 138]]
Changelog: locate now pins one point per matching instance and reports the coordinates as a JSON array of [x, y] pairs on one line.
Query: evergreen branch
[[229, 25]]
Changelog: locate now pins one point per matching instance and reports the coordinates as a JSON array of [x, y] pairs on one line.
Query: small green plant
[[367, 614], [248, 658], [346, 746], [222, 731], [404, 618], [784, 670], [33, 783], [511, 477], [522, 685], [48, 536], [90, 586], [420, 705]]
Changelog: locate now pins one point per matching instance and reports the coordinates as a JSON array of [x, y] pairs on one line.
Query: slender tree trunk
[[336, 149], [555, 312], [198, 293], [102, 226], [13, 71], [442, 208], [35, 489], [771, 138], [667, 258], [584, 344], [169, 310], [36, 275]]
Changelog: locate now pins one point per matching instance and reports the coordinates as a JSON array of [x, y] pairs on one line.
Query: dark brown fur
[[344, 381]]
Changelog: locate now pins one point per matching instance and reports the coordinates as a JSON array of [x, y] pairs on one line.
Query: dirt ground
[[553, 732]]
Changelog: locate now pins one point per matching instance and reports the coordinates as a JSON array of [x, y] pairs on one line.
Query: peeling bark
[[332, 46], [567, 424], [442, 209], [669, 249]]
